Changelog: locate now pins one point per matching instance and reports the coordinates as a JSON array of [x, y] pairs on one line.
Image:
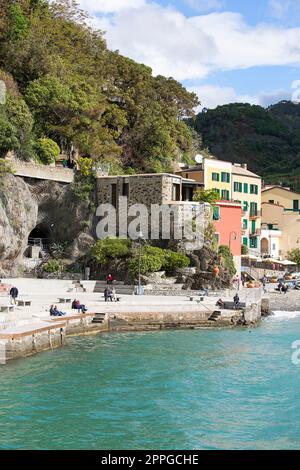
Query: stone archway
[[264, 246]]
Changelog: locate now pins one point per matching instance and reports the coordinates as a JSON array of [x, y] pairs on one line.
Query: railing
[[255, 215], [41, 242]]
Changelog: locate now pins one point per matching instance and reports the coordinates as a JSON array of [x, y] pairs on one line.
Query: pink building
[[227, 221]]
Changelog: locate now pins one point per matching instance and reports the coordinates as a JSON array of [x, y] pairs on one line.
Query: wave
[[284, 315]]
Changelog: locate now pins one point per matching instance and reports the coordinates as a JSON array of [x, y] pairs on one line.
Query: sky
[[224, 50]]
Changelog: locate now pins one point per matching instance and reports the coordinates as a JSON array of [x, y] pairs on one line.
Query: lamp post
[[140, 241], [234, 234]]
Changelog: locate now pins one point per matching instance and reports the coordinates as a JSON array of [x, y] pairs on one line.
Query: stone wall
[[143, 189], [44, 172]]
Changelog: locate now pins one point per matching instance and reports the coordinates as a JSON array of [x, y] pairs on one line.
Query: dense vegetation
[[65, 86], [268, 140]]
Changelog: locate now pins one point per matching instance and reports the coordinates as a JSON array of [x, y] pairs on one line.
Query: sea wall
[[148, 321], [30, 344]]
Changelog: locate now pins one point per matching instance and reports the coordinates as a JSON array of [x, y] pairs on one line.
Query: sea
[[162, 390]]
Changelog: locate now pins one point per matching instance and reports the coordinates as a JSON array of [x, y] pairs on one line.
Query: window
[[225, 194], [253, 242], [295, 205], [225, 177], [245, 241], [245, 206], [125, 190], [271, 201], [216, 213], [238, 187], [113, 194], [253, 209], [217, 190], [217, 238], [176, 192], [215, 177], [273, 246], [245, 224], [253, 226], [245, 188], [253, 189]]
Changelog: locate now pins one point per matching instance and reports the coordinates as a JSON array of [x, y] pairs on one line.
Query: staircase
[[215, 316], [99, 318], [78, 286], [99, 287]]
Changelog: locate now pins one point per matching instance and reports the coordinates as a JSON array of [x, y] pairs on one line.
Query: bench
[[63, 300], [233, 306], [23, 303], [7, 308]]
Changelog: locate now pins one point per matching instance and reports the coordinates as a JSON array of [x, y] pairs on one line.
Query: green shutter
[[245, 188], [216, 213], [245, 241]]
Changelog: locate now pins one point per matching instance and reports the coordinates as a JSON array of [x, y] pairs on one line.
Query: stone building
[[147, 189]]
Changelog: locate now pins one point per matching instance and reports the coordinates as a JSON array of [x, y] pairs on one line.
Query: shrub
[[149, 264], [110, 248], [174, 260], [225, 252], [244, 250], [54, 266], [47, 150], [294, 255]]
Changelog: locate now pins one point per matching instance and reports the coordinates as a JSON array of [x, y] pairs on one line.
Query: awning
[[286, 262]]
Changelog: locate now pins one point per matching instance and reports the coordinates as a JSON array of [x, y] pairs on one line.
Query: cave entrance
[[40, 237]]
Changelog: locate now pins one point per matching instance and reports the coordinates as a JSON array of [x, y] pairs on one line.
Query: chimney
[[245, 166]]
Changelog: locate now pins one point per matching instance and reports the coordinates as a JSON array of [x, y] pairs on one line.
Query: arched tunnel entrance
[[40, 237]]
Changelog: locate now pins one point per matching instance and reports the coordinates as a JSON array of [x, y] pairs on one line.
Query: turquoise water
[[209, 389]]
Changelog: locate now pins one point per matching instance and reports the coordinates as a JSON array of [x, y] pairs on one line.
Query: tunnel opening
[[40, 237]]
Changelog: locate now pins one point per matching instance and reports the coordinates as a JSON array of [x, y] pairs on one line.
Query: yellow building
[[280, 221], [246, 188], [234, 182]]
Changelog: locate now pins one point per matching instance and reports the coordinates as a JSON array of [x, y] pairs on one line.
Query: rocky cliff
[[49, 206]]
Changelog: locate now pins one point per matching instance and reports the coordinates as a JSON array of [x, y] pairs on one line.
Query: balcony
[[256, 233], [255, 215]]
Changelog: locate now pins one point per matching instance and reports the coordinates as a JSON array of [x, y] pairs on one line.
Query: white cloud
[[191, 48], [109, 6], [212, 96]]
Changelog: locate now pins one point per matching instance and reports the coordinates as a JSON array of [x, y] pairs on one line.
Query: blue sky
[[224, 50]]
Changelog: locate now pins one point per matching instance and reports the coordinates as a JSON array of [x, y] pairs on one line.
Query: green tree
[[47, 150], [294, 255], [210, 196]]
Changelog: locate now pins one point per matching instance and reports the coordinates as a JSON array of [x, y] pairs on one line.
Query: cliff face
[[49, 206], [18, 216]]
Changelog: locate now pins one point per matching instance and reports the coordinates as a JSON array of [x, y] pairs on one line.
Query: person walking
[[14, 295]]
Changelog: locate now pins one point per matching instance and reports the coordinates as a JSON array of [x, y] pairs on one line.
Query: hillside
[[67, 90], [268, 140]]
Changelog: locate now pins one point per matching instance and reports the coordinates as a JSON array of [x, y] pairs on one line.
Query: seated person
[[220, 303], [78, 306], [54, 312]]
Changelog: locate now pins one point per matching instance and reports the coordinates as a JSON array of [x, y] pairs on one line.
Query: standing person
[[109, 279], [264, 283], [14, 294], [236, 300], [108, 294]]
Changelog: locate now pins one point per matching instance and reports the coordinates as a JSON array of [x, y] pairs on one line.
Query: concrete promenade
[[30, 329]]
